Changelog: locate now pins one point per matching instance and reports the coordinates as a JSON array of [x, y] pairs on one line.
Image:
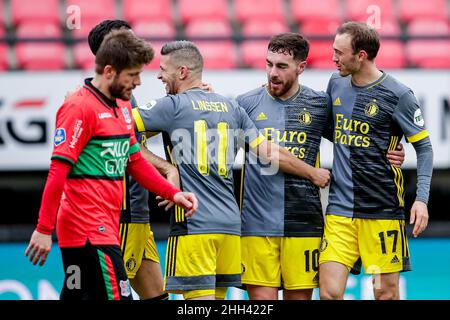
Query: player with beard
[[282, 221], [93, 147], [138, 245], [203, 252]]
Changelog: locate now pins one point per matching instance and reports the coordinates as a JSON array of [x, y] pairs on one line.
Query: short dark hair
[[363, 38], [184, 53], [292, 43], [122, 50], [98, 33]]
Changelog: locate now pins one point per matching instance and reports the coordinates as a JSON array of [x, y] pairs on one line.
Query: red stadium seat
[[269, 27], [254, 54], [32, 10], [97, 10], [391, 55], [40, 56], [200, 9], [429, 53], [38, 30], [208, 28], [433, 9], [259, 9], [154, 64], [86, 26], [3, 57], [3, 51], [2, 19], [389, 27], [155, 28], [429, 27], [321, 55], [147, 10], [218, 54], [319, 27], [83, 57], [320, 9], [359, 10]]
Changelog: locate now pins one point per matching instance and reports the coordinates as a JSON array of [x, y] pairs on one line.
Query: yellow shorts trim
[[137, 243], [381, 245], [202, 262], [288, 262]]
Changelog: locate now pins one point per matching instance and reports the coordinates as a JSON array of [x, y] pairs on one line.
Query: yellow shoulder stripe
[[418, 136], [138, 120]]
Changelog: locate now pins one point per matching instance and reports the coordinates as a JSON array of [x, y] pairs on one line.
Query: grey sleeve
[[328, 129], [409, 117], [424, 152], [157, 115]]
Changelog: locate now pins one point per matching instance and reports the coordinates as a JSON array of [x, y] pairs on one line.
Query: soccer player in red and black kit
[[93, 147]]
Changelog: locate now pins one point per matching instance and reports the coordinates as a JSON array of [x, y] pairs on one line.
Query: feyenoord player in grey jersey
[[203, 255], [365, 218]]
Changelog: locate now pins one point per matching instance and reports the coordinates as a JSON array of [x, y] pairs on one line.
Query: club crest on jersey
[[305, 117], [131, 264], [371, 109], [418, 118], [148, 106], [60, 136], [126, 115], [125, 289]]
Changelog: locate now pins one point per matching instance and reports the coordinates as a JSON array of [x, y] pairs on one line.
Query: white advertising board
[[28, 104]]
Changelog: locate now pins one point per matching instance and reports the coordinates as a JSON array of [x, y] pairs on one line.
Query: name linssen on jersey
[[214, 106], [360, 128]]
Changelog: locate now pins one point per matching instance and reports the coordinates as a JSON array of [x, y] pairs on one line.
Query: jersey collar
[[371, 85], [99, 95]]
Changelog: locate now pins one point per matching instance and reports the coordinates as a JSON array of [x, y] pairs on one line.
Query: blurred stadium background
[[44, 55]]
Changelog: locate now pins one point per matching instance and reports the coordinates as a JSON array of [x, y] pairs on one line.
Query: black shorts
[[94, 273]]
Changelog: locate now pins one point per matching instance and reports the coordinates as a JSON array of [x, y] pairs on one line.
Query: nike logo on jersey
[[261, 117], [337, 102]]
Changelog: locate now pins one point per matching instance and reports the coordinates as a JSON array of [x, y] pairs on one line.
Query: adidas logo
[[261, 117], [337, 102], [395, 259]]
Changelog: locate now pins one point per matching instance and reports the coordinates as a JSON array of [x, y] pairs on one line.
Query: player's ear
[[109, 72], [362, 55], [301, 67], [183, 72]]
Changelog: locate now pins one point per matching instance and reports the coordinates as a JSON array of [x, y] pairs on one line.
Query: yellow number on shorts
[[200, 129]]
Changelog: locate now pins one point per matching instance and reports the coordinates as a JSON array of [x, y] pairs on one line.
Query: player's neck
[[366, 75], [102, 87], [189, 84], [290, 93]]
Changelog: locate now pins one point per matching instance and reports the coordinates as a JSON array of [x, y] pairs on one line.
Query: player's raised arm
[[288, 163]]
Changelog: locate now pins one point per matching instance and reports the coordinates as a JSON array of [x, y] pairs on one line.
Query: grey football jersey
[[369, 121], [283, 204], [205, 130]]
